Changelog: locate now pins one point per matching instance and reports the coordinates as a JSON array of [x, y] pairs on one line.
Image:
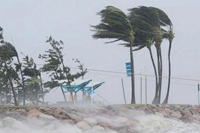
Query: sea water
[[145, 124], [158, 124]]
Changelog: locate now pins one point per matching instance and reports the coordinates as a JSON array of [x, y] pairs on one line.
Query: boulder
[[49, 127], [34, 112], [176, 114], [46, 117], [14, 124], [186, 112], [16, 115], [98, 129], [83, 126], [8, 121], [91, 121], [35, 122]]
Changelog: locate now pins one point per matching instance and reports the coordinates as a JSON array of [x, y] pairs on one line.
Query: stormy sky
[[27, 24]]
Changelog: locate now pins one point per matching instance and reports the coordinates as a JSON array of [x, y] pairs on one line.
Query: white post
[[141, 90], [146, 89], [198, 92], [123, 91]]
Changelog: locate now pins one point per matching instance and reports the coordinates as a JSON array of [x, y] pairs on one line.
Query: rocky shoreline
[[88, 119]]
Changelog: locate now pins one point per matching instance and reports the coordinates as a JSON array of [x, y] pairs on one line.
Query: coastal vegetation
[[22, 80], [142, 27]]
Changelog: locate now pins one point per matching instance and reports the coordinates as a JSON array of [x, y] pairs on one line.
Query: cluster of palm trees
[[22, 81], [142, 27]]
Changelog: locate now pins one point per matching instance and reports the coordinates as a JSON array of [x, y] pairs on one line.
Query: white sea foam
[[145, 124], [158, 124]]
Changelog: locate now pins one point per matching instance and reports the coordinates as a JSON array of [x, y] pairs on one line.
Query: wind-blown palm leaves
[[148, 26], [115, 25], [151, 22]]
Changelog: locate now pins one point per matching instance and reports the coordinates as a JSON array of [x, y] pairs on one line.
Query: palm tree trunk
[[161, 67], [156, 75], [169, 73], [132, 76], [156, 99]]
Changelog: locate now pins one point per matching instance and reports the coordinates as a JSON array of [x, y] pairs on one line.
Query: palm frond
[[163, 17], [146, 14], [139, 47], [114, 25]]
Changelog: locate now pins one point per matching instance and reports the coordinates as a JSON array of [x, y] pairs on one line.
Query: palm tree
[[116, 25], [147, 25], [150, 22], [170, 38], [166, 22]]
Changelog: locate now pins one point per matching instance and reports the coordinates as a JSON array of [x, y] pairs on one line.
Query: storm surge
[[96, 120]]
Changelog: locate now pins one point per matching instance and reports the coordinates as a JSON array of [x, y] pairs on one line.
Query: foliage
[[54, 65], [32, 80]]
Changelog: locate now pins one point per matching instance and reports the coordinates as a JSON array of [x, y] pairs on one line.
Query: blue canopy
[[92, 86], [76, 85]]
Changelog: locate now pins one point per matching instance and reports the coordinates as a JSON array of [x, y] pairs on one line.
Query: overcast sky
[[27, 24]]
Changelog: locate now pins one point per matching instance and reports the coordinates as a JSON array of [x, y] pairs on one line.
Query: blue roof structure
[[84, 85], [76, 85], [92, 86]]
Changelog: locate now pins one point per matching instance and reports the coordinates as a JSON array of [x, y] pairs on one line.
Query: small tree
[[7, 52], [54, 66], [32, 80]]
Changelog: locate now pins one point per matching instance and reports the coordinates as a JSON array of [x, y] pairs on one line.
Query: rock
[[67, 121], [98, 129], [34, 112], [16, 115], [194, 111], [186, 112], [35, 122], [162, 114], [83, 126], [22, 112], [8, 121], [122, 130], [153, 107], [187, 119], [168, 111], [14, 124], [20, 126], [49, 127], [91, 121], [46, 117], [176, 114], [75, 117], [131, 123]]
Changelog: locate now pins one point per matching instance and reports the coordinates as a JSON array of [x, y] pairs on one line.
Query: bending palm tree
[[171, 36], [150, 22], [115, 25], [147, 25], [166, 22]]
